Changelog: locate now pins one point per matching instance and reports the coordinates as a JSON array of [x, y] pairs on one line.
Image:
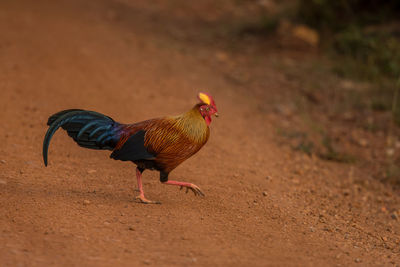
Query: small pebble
[[86, 202], [131, 228], [363, 142], [221, 56], [3, 161], [357, 260], [390, 152], [91, 171], [3, 181], [21, 171], [265, 193]]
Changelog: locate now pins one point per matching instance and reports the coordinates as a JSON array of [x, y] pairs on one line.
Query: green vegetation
[[364, 38], [367, 56], [360, 41], [336, 16], [333, 155]]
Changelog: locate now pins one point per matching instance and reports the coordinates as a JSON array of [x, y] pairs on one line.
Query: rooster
[[157, 144]]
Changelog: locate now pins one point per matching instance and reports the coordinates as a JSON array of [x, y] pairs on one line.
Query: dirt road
[[265, 204]]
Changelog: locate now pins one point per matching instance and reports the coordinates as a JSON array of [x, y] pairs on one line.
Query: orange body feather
[[172, 139]]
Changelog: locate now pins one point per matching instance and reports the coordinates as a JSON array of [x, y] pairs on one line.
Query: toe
[[144, 200]]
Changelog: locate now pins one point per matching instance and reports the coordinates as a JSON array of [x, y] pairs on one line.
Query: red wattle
[[208, 120]]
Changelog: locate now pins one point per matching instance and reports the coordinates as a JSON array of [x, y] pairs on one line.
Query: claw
[[195, 189], [144, 200]]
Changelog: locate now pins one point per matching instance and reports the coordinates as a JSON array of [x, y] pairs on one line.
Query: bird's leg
[[141, 193], [196, 190]]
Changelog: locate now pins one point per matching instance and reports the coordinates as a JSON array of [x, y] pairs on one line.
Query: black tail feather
[[88, 128], [53, 117]]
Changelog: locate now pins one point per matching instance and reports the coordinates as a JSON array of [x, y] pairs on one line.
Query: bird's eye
[[207, 108]]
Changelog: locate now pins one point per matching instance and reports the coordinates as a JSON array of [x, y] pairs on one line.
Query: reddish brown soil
[[264, 204]]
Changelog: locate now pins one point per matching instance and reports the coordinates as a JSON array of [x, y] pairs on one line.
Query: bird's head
[[207, 107]]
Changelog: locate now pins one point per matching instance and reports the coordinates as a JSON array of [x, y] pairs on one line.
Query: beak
[[216, 114]]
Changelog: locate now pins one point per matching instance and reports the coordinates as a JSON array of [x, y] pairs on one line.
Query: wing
[[133, 149], [148, 136]]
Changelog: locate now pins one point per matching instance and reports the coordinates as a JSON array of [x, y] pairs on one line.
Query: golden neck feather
[[193, 124]]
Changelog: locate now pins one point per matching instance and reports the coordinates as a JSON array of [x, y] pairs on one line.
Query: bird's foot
[[195, 189], [144, 200]]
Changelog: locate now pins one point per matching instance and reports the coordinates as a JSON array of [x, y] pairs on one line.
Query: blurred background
[[342, 59], [302, 166]]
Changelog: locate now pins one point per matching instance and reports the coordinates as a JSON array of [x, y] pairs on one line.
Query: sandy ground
[[265, 204]]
